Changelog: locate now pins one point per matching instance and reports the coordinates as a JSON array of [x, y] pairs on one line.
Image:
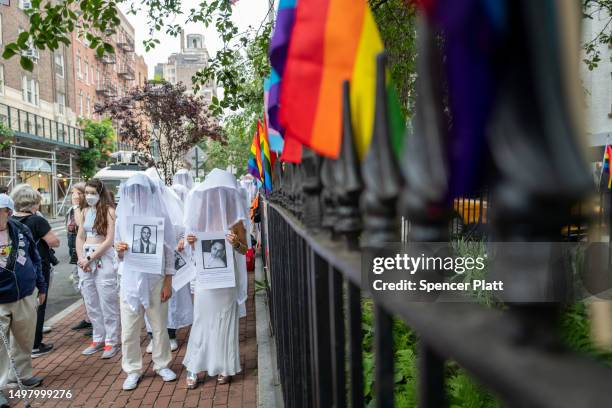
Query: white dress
[[214, 342]]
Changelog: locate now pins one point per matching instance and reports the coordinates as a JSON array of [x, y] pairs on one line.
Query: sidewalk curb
[[269, 392], [58, 317]]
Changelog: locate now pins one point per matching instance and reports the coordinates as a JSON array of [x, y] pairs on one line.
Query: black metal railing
[[324, 215], [29, 124]]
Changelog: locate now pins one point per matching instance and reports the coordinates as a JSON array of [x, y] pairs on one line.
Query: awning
[[34, 165]]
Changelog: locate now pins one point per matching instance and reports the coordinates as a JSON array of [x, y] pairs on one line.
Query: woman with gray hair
[[27, 203]]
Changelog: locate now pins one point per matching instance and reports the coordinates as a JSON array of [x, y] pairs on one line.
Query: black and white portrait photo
[[145, 239], [214, 253], [179, 261]]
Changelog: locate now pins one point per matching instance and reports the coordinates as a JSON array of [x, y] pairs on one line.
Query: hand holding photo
[[214, 258]]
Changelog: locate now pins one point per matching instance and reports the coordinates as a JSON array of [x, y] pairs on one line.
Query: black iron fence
[[323, 215]]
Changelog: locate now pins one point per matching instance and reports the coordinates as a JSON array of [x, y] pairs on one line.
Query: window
[[29, 90], [98, 74], [61, 103], [25, 4], [88, 106], [59, 65], [81, 103], [78, 67], [86, 72], [1, 79], [0, 28]]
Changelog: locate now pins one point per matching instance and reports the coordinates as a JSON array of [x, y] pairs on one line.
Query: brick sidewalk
[[97, 383]]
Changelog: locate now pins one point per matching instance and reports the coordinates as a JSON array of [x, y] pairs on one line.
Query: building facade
[[43, 107], [182, 66]]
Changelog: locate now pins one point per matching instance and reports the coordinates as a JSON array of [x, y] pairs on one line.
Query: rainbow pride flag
[[605, 168], [331, 41], [266, 157], [254, 165], [279, 43]]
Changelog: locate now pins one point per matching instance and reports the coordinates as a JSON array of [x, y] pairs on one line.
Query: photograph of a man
[[214, 255], [146, 244]]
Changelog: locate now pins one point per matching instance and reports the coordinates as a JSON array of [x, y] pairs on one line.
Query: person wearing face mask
[[27, 203], [97, 275]]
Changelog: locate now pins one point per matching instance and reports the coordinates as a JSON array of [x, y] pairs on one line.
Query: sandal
[[224, 379], [192, 380]]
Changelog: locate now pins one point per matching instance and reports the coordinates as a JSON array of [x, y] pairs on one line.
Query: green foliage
[[6, 136], [240, 126], [51, 24], [463, 392], [474, 249], [101, 138], [396, 21]]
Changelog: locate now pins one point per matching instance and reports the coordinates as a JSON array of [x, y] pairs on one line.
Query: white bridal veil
[[216, 205], [141, 196], [183, 177]]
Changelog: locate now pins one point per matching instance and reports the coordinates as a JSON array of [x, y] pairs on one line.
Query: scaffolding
[[60, 177]]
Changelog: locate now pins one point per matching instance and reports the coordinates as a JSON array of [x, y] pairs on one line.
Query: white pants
[[18, 322], [180, 310], [100, 292], [131, 326]]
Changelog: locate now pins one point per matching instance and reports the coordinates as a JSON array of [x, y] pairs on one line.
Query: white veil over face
[[141, 196], [171, 200], [216, 205], [181, 191], [183, 177]]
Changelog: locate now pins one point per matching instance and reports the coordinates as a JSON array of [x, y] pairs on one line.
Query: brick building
[[43, 107], [182, 66]]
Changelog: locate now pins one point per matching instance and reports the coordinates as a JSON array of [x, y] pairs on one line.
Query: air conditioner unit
[[32, 53]]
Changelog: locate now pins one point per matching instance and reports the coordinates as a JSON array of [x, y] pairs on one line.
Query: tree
[[396, 20], [162, 119], [240, 126], [101, 138], [52, 23]]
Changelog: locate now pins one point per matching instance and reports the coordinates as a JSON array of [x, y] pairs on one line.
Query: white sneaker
[[131, 381], [150, 347], [167, 374], [173, 345], [93, 348], [46, 329]]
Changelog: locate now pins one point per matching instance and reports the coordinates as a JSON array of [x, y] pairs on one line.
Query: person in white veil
[[181, 191], [180, 307], [183, 177], [212, 206], [144, 293]]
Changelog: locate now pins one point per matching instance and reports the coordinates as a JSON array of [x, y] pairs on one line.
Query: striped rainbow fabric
[[279, 45], [266, 157], [254, 164], [332, 41]]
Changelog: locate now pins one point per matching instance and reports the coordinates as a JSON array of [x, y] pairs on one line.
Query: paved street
[[94, 382], [61, 294]]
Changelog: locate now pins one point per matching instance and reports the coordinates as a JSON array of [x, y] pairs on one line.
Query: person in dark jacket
[[20, 276], [27, 203]]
